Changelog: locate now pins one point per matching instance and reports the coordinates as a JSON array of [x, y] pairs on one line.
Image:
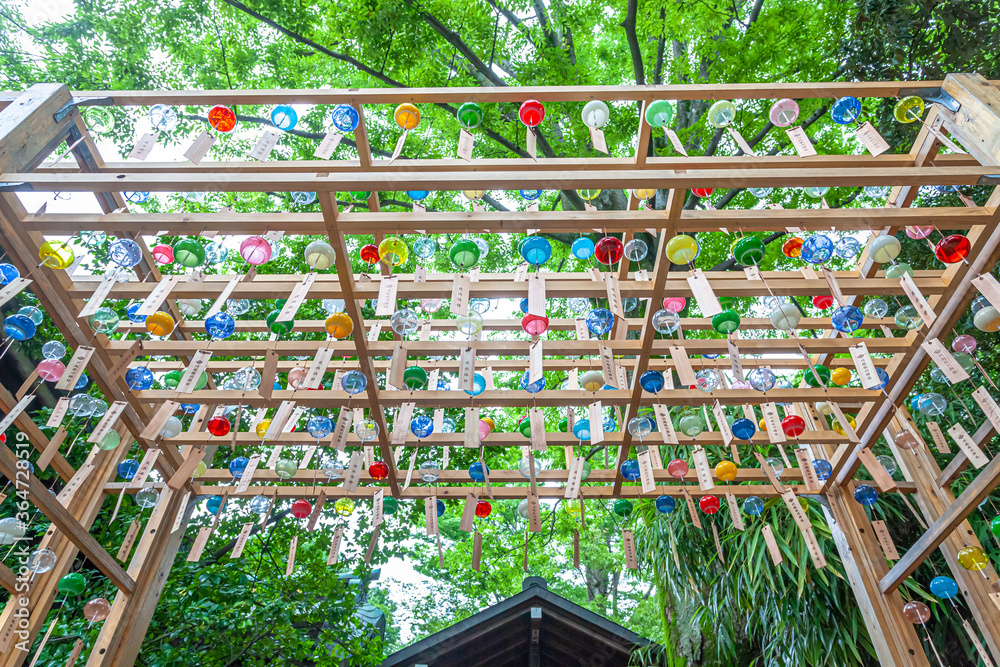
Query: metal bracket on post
[[989, 179], [82, 102], [936, 95], [818, 497]]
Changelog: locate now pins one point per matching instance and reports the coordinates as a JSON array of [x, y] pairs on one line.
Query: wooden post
[[123, 630], [976, 124], [895, 640]]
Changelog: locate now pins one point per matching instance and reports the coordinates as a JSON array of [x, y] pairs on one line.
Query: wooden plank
[[501, 398], [668, 163], [451, 365], [894, 638], [361, 138], [122, 632], [649, 93], [41, 498], [328, 203], [8, 579], [27, 130], [451, 222], [642, 143], [41, 592], [599, 476], [921, 467], [671, 216], [499, 439], [960, 461], [976, 124], [500, 180], [936, 533], [494, 286], [500, 492], [300, 348], [555, 324]]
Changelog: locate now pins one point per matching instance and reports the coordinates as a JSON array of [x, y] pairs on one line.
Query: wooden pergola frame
[[34, 123]]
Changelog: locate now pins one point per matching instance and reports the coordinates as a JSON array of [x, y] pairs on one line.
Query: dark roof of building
[[535, 622]]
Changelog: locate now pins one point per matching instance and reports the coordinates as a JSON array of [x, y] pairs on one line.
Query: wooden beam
[[361, 139], [675, 204], [724, 283], [46, 502], [452, 365], [920, 467], [508, 222], [976, 124], [208, 166], [501, 180], [745, 91], [960, 461], [28, 132], [328, 203], [122, 632], [500, 439], [500, 492], [517, 348], [41, 594], [642, 143], [501, 398], [497, 477], [894, 638], [555, 324]]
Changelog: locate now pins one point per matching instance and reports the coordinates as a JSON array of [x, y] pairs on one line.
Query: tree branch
[[755, 12], [633, 42], [222, 551], [378, 75], [543, 21], [514, 21], [455, 40], [494, 203], [661, 43], [319, 47], [567, 39], [730, 263]]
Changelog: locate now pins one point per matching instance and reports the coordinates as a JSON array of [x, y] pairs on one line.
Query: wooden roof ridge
[[535, 593]]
